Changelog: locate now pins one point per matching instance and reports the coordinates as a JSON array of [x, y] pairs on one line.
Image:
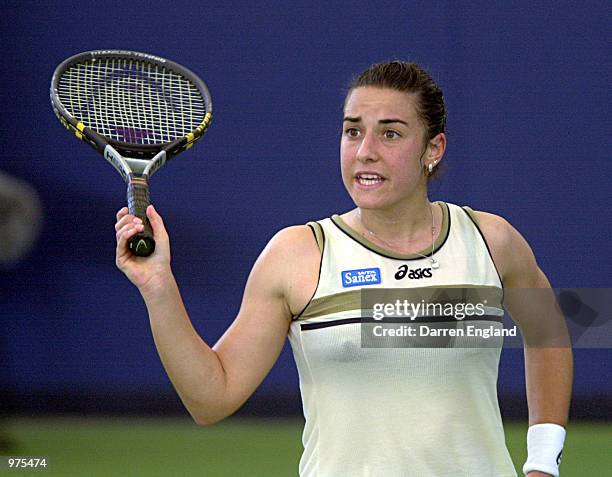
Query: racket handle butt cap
[[141, 245]]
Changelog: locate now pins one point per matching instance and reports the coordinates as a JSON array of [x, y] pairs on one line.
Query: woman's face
[[382, 143]]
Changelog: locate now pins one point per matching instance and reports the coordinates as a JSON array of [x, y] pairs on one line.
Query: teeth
[[369, 179], [369, 176]]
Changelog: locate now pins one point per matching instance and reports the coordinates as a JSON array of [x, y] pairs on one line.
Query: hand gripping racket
[[138, 111]]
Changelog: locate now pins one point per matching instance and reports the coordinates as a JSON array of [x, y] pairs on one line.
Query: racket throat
[[127, 166]]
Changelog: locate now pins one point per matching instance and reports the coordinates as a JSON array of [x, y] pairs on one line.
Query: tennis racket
[[138, 111]]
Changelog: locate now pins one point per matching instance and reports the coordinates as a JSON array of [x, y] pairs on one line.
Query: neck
[[408, 224]]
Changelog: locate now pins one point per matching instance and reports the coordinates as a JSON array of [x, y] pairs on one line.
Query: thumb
[[157, 223]]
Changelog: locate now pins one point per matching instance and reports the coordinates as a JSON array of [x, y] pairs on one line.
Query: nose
[[367, 151]]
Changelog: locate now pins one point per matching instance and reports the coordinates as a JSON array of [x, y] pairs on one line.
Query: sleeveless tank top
[[397, 411]]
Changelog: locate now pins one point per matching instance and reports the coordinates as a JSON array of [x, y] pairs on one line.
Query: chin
[[370, 203], [369, 199]]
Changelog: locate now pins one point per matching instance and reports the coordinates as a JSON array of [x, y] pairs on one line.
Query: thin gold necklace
[[434, 262]]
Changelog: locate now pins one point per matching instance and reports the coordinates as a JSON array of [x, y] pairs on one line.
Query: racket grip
[[143, 243]]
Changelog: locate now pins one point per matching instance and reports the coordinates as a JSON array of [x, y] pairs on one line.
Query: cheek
[[344, 149], [403, 169], [345, 172], [346, 157]]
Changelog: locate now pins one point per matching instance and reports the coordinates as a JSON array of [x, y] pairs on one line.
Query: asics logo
[[414, 274]]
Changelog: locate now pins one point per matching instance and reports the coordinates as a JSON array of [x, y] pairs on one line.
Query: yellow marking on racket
[[79, 129], [192, 136]]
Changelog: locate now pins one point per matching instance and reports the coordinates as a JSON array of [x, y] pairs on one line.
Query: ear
[[436, 148]]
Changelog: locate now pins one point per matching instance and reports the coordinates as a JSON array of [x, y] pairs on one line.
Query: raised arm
[[214, 382]]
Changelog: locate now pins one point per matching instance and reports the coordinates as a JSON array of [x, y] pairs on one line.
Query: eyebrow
[[381, 121]]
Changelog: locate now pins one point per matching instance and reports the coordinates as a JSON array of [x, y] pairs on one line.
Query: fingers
[[128, 228], [126, 219], [127, 225], [123, 235], [123, 211]]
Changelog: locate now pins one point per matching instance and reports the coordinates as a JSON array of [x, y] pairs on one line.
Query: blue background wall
[[528, 92]]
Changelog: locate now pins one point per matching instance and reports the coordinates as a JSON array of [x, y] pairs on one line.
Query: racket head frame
[[126, 149], [134, 162]]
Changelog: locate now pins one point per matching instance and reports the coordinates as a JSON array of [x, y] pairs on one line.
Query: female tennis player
[[373, 411]]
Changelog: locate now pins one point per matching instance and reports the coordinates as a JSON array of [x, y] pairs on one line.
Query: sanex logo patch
[[360, 277]]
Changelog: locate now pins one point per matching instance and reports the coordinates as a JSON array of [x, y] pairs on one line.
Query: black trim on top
[[297, 317], [327, 324], [425, 255], [488, 250], [418, 319]]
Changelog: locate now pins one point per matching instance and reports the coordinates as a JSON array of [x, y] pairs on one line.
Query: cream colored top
[[397, 411]]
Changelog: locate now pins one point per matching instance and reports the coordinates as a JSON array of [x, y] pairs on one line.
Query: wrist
[[544, 449], [159, 286]]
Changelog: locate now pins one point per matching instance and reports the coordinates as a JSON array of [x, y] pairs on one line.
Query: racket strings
[[132, 101]]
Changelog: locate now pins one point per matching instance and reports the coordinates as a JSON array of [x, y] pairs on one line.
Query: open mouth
[[368, 180]]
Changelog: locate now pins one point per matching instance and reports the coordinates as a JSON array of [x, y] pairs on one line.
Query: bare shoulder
[[510, 251], [295, 245], [498, 232], [292, 260]]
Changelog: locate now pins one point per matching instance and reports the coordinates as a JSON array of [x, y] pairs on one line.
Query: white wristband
[[544, 448]]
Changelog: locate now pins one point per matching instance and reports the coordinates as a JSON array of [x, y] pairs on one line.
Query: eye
[[391, 134], [351, 132]]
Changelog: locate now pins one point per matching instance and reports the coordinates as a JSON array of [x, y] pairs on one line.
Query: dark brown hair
[[411, 78]]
